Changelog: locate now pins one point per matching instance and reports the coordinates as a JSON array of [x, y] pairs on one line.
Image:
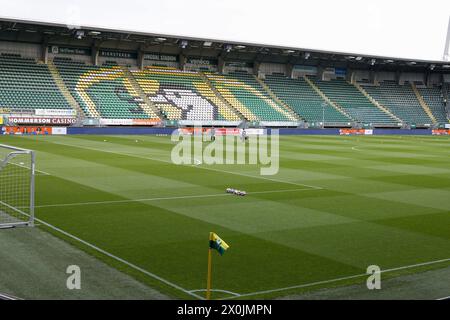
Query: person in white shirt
[[243, 135]]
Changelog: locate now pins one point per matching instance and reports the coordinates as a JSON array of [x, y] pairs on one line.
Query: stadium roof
[[87, 36]]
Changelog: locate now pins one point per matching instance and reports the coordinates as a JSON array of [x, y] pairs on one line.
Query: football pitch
[[337, 205]]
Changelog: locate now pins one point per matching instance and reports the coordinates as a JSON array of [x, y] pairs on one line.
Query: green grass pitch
[[349, 202]]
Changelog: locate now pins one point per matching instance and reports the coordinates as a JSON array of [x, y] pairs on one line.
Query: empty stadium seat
[[400, 100], [246, 95], [103, 91], [26, 85], [433, 98], [182, 95], [302, 98], [356, 104]]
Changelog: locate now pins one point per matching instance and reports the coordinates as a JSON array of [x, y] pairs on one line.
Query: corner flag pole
[[208, 283]]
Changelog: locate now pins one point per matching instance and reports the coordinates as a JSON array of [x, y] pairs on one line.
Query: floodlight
[[183, 44]]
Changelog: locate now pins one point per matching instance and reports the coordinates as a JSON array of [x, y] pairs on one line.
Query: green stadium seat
[[354, 103], [302, 98], [245, 94], [183, 95], [26, 85], [400, 100], [103, 91]]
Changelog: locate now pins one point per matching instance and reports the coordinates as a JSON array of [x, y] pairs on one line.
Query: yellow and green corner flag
[[216, 243], [221, 246]]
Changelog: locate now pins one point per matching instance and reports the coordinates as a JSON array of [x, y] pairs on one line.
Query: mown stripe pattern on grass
[[372, 200]]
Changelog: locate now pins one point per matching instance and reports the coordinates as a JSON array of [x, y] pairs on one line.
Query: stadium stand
[[359, 107], [182, 95], [26, 85], [433, 98], [299, 95], [400, 100], [245, 94], [103, 91], [112, 91]]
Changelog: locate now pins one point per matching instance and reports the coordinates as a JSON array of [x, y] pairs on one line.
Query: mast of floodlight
[[447, 44]]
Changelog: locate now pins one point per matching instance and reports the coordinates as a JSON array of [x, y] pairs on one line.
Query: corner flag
[[221, 246], [216, 243]]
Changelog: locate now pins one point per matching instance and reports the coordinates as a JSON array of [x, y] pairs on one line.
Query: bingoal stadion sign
[[42, 120]]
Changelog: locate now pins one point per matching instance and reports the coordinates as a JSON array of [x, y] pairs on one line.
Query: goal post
[[17, 179]]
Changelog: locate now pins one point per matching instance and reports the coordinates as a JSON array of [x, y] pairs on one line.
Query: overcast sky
[[396, 28]]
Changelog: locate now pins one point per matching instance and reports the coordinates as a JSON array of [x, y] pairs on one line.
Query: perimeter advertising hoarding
[[41, 120], [347, 132], [440, 132], [220, 131], [129, 122]]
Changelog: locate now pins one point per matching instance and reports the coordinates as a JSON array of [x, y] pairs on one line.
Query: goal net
[[16, 186]]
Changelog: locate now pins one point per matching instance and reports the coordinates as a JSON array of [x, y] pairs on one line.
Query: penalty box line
[[312, 284], [164, 198], [188, 165]]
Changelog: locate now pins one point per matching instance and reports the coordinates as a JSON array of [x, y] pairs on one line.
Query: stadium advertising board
[[34, 130], [239, 64], [202, 61], [160, 57], [279, 123], [146, 122], [208, 123], [130, 122], [55, 112], [340, 71], [305, 69], [42, 120], [440, 132], [348, 132], [218, 131], [69, 50], [255, 132], [11, 130], [59, 130], [118, 54]]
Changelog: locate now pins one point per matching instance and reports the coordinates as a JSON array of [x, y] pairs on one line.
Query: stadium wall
[[121, 130], [133, 130], [282, 131]]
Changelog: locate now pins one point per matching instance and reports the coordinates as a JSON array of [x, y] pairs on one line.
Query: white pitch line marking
[[131, 265], [8, 297], [36, 170], [217, 290], [339, 279], [162, 198]]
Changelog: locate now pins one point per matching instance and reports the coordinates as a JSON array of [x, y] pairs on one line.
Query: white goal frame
[[18, 211]]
